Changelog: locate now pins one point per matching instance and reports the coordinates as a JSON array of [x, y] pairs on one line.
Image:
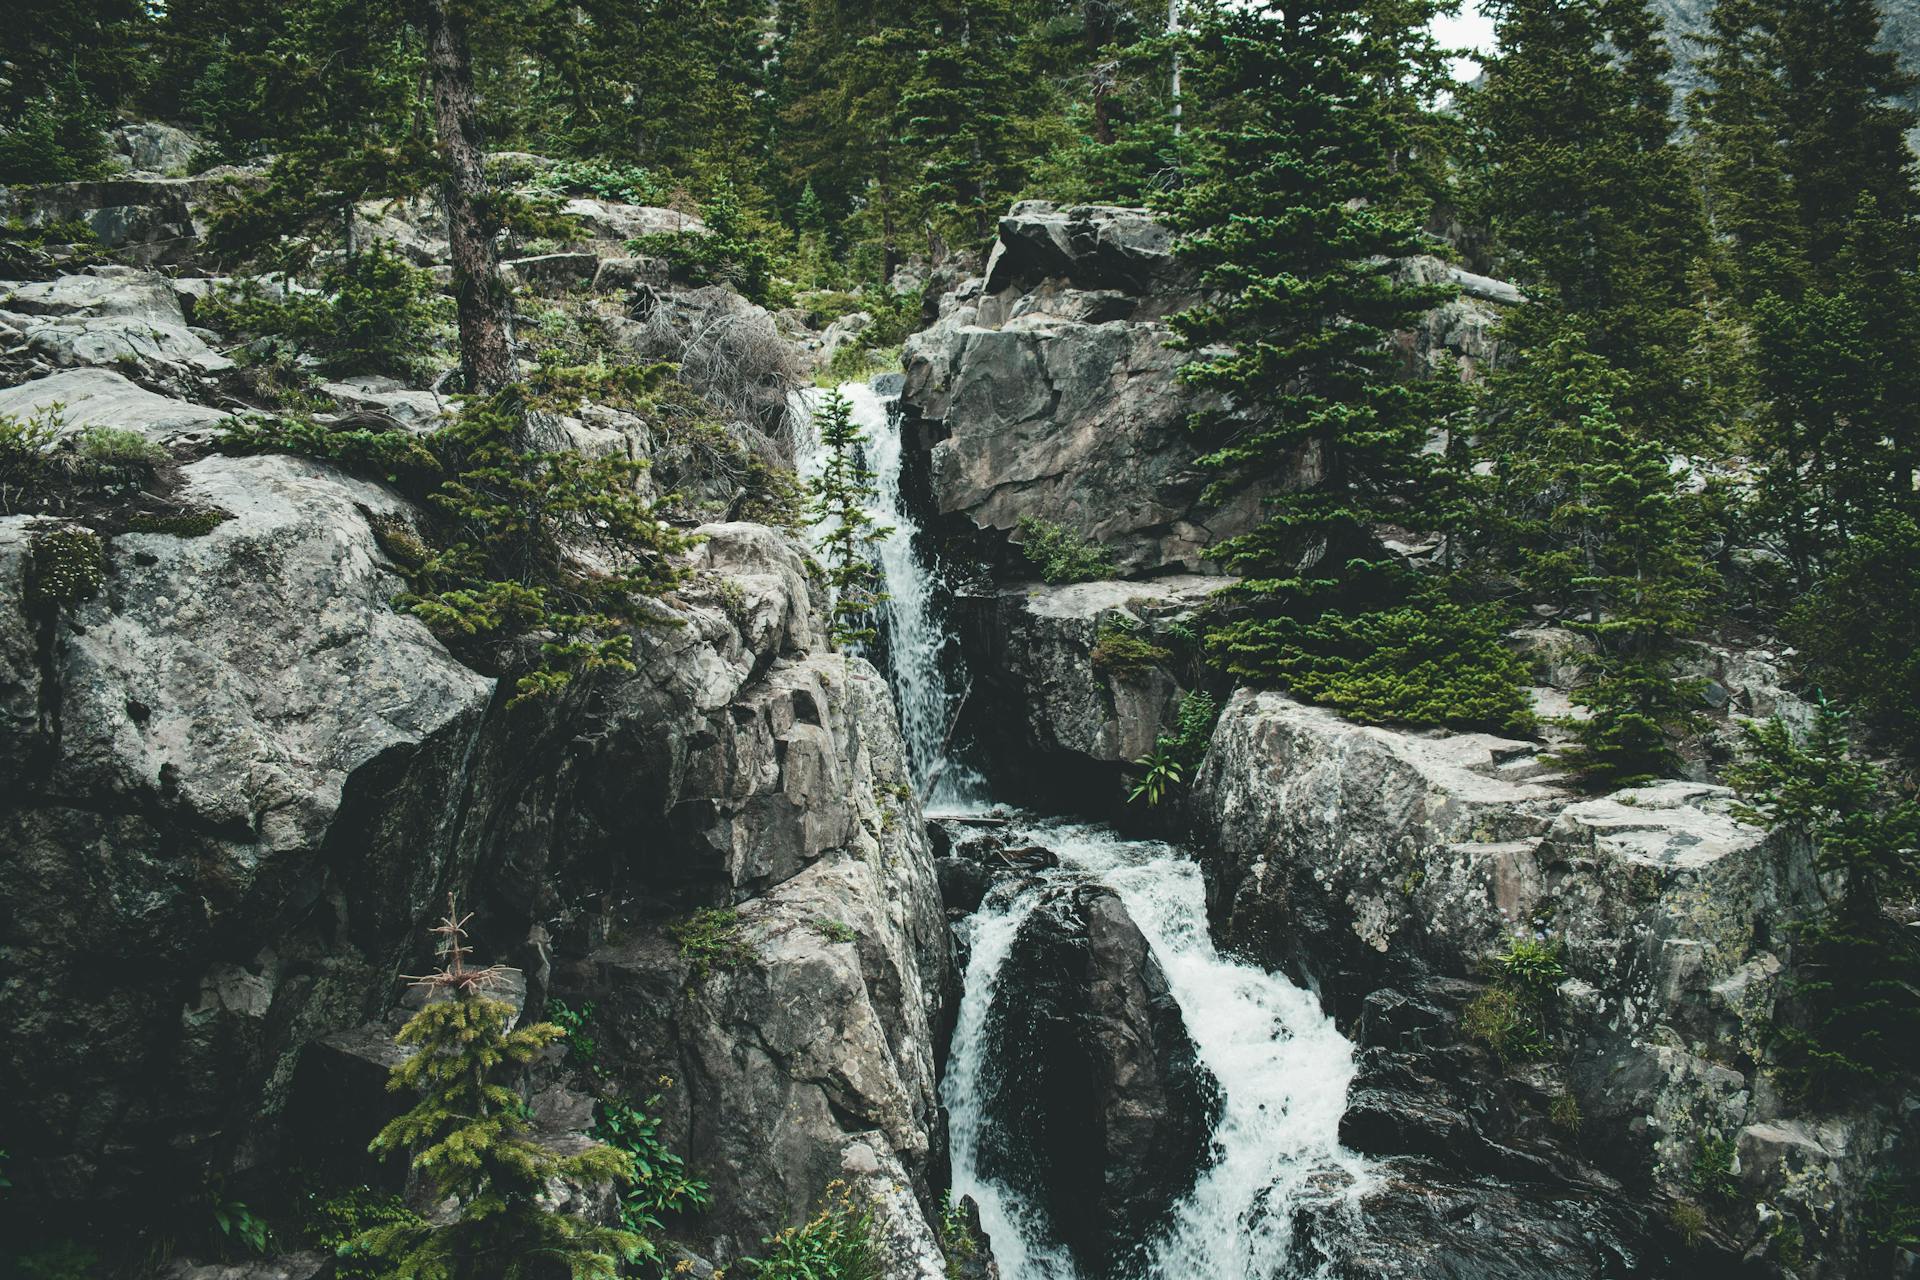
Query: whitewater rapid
[[1281, 1068]]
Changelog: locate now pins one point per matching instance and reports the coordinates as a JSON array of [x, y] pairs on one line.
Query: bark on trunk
[[486, 344]]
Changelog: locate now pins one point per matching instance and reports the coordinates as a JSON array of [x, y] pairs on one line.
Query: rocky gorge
[[1235, 1041]]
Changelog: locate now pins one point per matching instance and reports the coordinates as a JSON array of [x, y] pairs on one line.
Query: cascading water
[[913, 636], [1280, 1066]]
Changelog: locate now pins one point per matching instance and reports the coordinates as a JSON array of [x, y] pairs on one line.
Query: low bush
[[710, 939], [1120, 649], [1061, 555], [1514, 1016], [375, 312], [835, 1244]]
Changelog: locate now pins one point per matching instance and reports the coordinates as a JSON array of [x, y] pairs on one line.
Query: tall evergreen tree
[[1289, 215], [1577, 175], [840, 498], [1600, 529]]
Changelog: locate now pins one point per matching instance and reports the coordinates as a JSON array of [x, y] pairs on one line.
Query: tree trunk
[[486, 343]]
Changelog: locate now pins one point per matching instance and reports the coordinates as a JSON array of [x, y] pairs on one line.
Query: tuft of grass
[[1061, 555], [710, 939]]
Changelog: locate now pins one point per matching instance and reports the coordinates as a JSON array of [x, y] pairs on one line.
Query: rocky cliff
[[240, 784]]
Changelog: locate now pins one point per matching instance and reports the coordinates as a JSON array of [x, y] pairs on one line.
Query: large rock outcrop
[[1390, 867], [1046, 388], [240, 782], [1060, 706], [1100, 1113]]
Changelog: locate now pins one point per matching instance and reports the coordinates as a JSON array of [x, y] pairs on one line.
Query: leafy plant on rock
[[1060, 555], [836, 1243]]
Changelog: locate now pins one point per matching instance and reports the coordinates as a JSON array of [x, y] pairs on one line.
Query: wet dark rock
[[1101, 1114], [1423, 1220]]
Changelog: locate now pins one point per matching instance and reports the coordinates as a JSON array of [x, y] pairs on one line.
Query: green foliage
[[112, 455], [1890, 1214], [1163, 773], [1855, 630], [1712, 1176], [1689, 1222], [471, 1142], [375, 312], [335, 1222], [56, 137], [553, 546], [710, 939], [661, 1184], [1515, 1015], [25, 468], [604, 180], [835, 1244], [839, 501], [1120, 649], [733, 249], [837, 931], [59, 1260], [1564, 1112], [1060, 554], [233, 1226], [1856, 971], [1430, 662], [957, 1240], [66, 566]]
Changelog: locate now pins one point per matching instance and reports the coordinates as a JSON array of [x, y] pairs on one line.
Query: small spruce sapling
[[472, 1144], [840, 498]]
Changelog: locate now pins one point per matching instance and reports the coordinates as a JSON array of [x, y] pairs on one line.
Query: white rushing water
[[913, 632], [1281, 1067]]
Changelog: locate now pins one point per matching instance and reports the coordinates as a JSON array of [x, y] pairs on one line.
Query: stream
[[1280, 1068]]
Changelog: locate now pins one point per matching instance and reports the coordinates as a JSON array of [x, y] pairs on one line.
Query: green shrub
[[661, 1185], [733, 250], [111, 456], [1176, 756], [376, 313], [1890, 1212], [1711, 1175], [710, 939], [837, 931], [1163, 773], [25, 467], [1432, 662], [605, 180], [1514, 1016], [66, 566], [1061, 555], [1120, 649], [57, 137], [835, 1244]]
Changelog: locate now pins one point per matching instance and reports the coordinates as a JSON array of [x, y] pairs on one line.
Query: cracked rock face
[[1390, 866]]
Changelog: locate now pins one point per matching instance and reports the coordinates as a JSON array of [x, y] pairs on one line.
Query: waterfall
[[913, 634], [1281, 1067]]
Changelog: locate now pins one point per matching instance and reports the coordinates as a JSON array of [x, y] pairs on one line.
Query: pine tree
[[1593, 511], [471, 1143], [1812, 186], [841, 495], [1289, 214], [1577, 175], [1856, 972]]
